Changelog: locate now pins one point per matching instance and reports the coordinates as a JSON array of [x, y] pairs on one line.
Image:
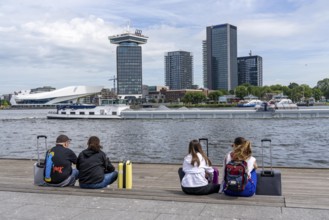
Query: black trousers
[[202, 190]]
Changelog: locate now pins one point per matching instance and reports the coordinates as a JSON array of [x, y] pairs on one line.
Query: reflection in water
[[296, 142]]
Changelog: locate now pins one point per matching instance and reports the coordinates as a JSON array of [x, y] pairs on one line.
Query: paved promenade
[[156, 194]]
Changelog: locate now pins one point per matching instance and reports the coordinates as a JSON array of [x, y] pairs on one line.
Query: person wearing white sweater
[[195, 172]]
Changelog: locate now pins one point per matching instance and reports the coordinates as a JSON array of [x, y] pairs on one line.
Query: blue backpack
[[48, 166]]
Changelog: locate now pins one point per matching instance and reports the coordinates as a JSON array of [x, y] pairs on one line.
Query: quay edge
[[224, 114]]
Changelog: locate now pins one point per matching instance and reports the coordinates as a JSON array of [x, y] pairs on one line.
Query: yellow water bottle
[[120, 175], [129, 175]]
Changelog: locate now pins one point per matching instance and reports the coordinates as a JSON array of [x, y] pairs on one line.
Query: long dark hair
[[94, 144], [194, 148]]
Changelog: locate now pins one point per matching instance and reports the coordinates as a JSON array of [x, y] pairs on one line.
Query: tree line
[[294, 91]]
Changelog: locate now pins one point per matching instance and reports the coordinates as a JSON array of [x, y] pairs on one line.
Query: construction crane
[[114, 79]]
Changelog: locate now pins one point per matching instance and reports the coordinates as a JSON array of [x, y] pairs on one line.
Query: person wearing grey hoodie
[[95, 169]]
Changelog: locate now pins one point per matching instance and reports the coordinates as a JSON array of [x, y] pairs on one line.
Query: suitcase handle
[[267, 173], [41, 136], [270, 145], [266, 140], [204, 139]]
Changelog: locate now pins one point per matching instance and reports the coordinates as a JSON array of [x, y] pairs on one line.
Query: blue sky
[[63, 43]]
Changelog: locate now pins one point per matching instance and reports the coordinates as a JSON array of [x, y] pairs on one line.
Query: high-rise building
[[179, 70], [250, 70], [220, 57], [129, 63]]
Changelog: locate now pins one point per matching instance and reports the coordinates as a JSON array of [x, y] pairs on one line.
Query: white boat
[[251, 103], [265, 106], [285, 104], [105, 111]]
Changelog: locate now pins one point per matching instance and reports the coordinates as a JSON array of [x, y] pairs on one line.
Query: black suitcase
[[39, 166], [268, 181], [215, 177], [204, 140]]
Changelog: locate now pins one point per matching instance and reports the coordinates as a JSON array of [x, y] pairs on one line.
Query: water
[[295, 142]]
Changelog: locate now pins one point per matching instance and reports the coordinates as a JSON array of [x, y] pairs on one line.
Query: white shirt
[[195, 176]]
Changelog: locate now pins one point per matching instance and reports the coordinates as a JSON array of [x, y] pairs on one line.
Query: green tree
[[241, 91], [317, 93], [194, 97], [214, 95], [277, 88], [265, 92], [307, 91], [293, 85], [323, 85]]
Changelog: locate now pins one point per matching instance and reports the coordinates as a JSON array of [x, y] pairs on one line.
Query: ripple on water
[[295, 142]]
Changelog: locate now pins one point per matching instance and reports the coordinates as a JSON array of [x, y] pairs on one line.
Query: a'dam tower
[[129, 63]]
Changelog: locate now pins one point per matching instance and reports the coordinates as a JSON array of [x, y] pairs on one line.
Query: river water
[[295, 142]]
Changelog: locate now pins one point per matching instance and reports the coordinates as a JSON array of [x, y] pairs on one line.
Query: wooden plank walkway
[[304, 188]]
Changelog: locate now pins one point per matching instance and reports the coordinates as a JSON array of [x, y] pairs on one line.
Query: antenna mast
[[114, 79]]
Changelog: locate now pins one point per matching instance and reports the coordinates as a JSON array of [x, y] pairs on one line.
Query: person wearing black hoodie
[[95, 169]]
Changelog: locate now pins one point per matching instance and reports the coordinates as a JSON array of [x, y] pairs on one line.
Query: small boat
[[307, 102], [251, 103], [285, 104], [107, 111], [265, 106]]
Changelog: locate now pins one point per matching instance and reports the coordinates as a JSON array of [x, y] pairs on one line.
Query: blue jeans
[[250, 188], [70, 181], [109, 178]]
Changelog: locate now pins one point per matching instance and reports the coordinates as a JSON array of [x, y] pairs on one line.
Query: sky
[[65, 43]]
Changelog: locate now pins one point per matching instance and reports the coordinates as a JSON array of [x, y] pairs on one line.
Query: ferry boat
[[109, 109], [123, 111]]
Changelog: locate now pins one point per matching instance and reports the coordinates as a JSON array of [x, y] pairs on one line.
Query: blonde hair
[[241, 149]]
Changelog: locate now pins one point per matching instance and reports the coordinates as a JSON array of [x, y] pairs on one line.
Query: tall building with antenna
[[250, 70], [129, 63]]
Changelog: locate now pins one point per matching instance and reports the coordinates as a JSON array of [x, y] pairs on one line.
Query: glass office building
[[179, 70], [250, 70], [129, 63], [220, 57]]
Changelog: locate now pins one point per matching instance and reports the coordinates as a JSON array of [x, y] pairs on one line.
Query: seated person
[[95, 169], [196, 168], [241, 152], [58, 167]]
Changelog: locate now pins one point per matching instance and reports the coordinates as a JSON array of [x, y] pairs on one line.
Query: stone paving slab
[[28, 206]]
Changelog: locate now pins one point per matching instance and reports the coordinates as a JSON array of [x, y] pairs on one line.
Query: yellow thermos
[[120, 175], [129, 175]]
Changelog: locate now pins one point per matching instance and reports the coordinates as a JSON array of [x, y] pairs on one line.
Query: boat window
[[114, 113], [72, 113], [81, 113], [63, 113], [91, 113]]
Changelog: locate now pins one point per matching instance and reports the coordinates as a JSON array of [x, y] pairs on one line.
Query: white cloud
[[56, 43]]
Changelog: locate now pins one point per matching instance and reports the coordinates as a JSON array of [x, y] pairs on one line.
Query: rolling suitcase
[[39, 166], [268, 181], [216, 172]]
